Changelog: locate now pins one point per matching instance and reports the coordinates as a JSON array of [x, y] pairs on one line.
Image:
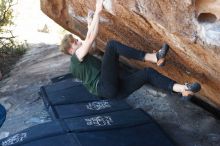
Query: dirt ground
[[187, 124], [7, 62]]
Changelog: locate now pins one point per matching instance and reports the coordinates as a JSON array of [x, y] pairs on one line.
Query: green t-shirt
[[88, 71]]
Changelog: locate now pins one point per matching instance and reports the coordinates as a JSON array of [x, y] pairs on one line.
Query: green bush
[[8, 43], [5, 13], [10, 49]]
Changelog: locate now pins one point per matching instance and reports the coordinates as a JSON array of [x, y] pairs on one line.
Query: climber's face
[[74, 46]]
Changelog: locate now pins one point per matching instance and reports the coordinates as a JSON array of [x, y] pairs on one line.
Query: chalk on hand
[[108, 6]]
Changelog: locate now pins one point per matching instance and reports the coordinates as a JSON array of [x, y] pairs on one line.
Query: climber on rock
[[102, 78]]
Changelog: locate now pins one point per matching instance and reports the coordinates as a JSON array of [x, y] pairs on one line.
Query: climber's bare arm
[[92, 32]]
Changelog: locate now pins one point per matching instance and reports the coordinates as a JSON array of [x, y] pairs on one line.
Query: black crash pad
[[65, 92], [87, 108], [86, 120], [122, 128], [62, 77], [33, 133]]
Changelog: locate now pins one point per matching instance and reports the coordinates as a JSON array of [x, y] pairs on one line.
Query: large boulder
[[190, 27]]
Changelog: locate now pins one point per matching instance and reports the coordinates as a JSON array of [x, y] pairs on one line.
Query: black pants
[[111, 85]]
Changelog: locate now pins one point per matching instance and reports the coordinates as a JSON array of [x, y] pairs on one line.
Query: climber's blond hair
[[66, 42]]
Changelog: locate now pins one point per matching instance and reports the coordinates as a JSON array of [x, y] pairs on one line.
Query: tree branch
[[6, 11], [7, 38]]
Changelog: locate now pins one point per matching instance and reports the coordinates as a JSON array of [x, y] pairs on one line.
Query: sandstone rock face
[[190, 27]]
